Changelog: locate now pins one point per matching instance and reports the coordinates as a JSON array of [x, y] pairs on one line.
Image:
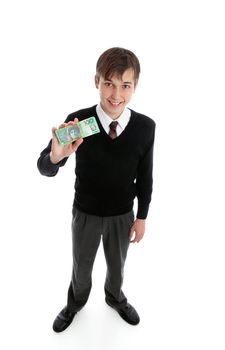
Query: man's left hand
[[137, 231]]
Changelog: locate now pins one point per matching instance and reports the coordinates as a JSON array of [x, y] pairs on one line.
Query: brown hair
[[116, 61]]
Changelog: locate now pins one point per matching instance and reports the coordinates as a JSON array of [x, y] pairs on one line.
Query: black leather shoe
[[128, 314], [63, 320]]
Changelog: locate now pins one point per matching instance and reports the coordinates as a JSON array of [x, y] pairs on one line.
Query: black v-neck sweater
[[110, 173]]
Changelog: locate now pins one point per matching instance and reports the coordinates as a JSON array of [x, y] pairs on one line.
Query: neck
[[113, 117]]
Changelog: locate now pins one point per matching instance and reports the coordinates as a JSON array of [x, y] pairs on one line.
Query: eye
[[108, 84], [126, 86]]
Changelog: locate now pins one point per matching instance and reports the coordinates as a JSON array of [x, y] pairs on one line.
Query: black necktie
[[112, 130]]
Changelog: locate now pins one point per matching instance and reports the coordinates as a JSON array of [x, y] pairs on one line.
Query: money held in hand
[[71, 133]]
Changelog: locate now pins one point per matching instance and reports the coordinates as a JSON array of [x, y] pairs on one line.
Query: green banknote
[[71, 133]]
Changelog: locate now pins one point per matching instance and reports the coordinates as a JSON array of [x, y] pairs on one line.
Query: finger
[[70, 123], [134, 238], [139, 237], [132, 235], [77, 144], [63, 125]]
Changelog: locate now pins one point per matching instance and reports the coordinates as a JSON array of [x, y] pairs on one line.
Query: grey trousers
[[87, 231]]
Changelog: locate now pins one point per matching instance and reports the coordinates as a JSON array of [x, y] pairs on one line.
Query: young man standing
[[112, 168]]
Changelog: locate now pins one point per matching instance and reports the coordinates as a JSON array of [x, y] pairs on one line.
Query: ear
[[96, 82]]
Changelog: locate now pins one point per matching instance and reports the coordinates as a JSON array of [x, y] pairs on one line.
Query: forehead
[[127, 76]]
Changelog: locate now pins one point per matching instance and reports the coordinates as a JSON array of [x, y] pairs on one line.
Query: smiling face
[[115, 92]]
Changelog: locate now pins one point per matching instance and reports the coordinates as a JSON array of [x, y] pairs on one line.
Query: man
[[112, 168]]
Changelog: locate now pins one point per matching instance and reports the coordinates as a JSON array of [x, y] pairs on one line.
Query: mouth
[[114, 104]]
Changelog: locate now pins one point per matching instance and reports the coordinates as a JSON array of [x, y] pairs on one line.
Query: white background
[[175, 276]]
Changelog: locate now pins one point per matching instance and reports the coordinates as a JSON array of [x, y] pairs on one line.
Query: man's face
[[116, 92]]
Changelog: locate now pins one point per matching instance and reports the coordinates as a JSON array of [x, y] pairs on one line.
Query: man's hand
[[137, 231], [58, 152]]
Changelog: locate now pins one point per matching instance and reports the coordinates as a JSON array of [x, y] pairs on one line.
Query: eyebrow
[[124, 82]]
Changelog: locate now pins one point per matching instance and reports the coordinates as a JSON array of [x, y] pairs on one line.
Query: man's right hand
[[58, 152]]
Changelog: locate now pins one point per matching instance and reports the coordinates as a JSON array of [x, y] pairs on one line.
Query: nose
[[116, 93]]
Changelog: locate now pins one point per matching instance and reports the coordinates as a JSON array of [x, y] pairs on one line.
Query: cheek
[[104, 93], [128, 95]]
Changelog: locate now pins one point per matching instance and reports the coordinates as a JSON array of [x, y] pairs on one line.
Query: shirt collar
[[123, 119]]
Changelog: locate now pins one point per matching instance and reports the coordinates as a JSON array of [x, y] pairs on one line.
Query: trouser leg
[[115, 244], [86, 237]]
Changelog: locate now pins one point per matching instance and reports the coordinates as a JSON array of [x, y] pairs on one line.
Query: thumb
[[54, 138], [53, 132]]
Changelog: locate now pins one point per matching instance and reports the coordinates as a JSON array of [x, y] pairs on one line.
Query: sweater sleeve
[[144, 179], [44, 164]]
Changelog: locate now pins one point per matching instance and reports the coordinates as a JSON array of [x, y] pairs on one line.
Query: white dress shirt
[[105, 120]]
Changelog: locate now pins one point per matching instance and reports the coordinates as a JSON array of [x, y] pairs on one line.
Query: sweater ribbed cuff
[[142, 211], [47, 167]]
